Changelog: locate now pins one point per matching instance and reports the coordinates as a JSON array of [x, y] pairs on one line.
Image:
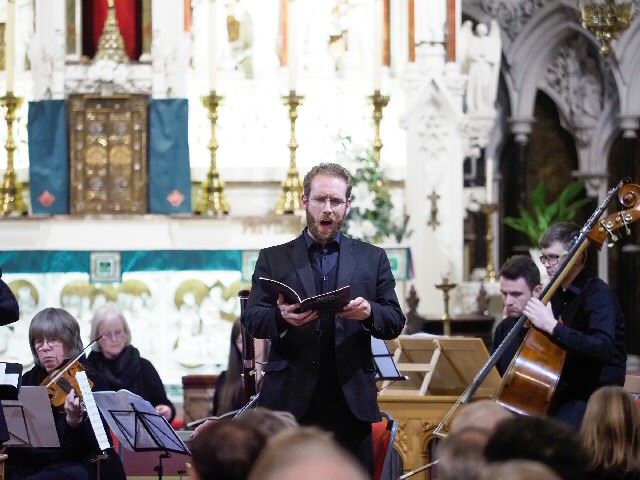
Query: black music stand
[[138, 426], [30, 420], [386, 368]]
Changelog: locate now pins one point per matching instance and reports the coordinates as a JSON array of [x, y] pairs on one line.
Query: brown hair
[[521, 266], [563, 232], [611, 430], [330, 170]]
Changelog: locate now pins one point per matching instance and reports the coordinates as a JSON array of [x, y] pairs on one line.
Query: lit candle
[[10, 45], [377, 44], [291, 44], [489, 178], [213, 45]]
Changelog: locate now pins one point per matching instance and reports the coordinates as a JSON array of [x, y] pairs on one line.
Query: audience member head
[[306, 453], [461, 454], [610, 430], [518, 470], [54, 336], [483, 414], [109, 322], [269, 422], [540, 439], [519, 281], [225, 450]]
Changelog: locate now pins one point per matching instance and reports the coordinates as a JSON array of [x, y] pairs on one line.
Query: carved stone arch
[[627, 75], [534, 48]]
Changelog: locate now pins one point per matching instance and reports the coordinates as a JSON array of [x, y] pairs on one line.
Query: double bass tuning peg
[[626, 218], [611, 236]]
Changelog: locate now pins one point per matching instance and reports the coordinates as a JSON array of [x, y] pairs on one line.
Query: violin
[[61, 381]]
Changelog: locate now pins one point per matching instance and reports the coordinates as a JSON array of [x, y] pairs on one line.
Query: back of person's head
[[269, 422], [563, 232], [540, 439], [610, 430], [483, 414], [225, 450], [461, 454], [521, 266], [518, 470], [307, 453]]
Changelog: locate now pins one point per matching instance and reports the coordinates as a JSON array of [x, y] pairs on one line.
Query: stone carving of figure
[[351, 21], [480, 55]]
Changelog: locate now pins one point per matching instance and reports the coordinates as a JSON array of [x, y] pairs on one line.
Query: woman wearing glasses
[[120, 362], [54, 336]]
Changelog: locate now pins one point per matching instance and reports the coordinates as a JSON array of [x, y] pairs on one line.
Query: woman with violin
[[54, 337], [585, 318]]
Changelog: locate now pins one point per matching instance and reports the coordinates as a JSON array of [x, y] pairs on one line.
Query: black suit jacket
[[9, 312], [291, 374]]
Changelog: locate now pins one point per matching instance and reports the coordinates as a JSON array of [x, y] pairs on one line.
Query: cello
[[529, 384]]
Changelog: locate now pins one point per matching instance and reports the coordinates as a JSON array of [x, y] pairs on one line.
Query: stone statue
[[480, 56]]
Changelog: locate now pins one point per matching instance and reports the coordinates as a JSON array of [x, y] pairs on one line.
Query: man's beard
[[324, 236]]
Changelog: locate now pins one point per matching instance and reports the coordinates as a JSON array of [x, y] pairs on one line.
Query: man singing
[[320, 366]]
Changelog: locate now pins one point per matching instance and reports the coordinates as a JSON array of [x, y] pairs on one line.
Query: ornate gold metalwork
[[433, 216], [11, 189], [211, 197], [290, 197], [108, 142], [606, 19], [379, 101], [111, 44], [490, 210], [445, 286]]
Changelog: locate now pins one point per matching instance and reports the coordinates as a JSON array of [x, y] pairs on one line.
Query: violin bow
[[68, 365]]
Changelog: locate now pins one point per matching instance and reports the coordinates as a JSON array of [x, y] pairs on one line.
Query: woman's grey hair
[[55, 323], [108, 311]]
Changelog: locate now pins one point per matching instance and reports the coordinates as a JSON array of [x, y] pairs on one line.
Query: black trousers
[[330, 412]]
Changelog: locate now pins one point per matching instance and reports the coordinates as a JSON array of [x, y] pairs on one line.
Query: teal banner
[[48, 157], [169, 172], [49, 261]]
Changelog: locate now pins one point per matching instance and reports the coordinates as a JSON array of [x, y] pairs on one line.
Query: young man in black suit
[[320, 367]]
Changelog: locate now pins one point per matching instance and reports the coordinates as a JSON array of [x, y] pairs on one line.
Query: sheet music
[[92, 411]]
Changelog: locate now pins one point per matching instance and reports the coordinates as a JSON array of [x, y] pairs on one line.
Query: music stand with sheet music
[[30, 419], [138, 426]]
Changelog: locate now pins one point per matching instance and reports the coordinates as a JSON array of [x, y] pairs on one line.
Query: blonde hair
[[611, 430], [108, 311]]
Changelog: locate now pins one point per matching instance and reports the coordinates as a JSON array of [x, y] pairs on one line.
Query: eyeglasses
[[551, 259], [52, 342], [334, 203], [118, 334]]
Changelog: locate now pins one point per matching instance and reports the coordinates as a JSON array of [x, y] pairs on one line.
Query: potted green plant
[[564, 209]]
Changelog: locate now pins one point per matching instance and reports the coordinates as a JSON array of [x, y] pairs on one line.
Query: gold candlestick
[[211, 197], [490, 210], [290, 197], [379, 101], [445, 286], [11, 189]]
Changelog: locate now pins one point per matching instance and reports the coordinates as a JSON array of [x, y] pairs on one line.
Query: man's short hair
[[563, 232], [544, 440], [330, 170], [521, 266], [226, 449]]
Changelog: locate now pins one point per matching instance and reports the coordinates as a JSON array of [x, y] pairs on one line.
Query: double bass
[[528, 386]]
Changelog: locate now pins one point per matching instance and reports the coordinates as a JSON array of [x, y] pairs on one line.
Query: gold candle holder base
[[490, 209], [379, 101], [211, 197], [11, 188], [445, 286], [290, 200]]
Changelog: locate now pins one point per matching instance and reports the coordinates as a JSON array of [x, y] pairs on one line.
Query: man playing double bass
[[585, 318]]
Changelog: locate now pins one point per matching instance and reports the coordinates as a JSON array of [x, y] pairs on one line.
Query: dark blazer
[[291, 374], [8, 304]]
